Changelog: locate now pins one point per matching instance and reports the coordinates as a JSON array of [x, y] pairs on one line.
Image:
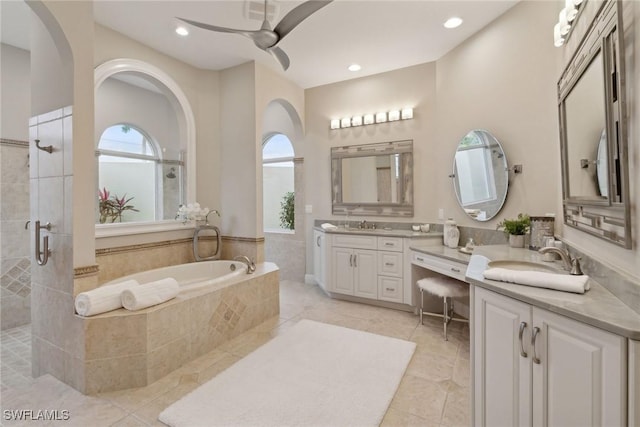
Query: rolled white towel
[[328, 226], [102, 299], [560, 282], [148, 294]]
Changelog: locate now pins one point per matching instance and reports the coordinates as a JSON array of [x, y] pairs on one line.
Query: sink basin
[[523, 265]]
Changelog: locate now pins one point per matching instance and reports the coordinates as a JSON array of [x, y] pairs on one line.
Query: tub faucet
[[572, 264], [251, 266]]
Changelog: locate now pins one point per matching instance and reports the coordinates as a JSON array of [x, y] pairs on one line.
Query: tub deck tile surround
[[132, 349]]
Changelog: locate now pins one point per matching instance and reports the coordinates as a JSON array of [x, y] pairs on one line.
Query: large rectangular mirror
[[593, 132], [373, 179]]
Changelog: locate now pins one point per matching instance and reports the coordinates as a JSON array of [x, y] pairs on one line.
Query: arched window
[[128, 182], [278, 183]]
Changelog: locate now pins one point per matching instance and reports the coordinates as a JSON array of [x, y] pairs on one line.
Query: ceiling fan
[[265, 38]]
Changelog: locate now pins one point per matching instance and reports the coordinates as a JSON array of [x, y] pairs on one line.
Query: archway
[[286, 248]]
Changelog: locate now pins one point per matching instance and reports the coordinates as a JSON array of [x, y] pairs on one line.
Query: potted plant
[[287, 211], [516, 229]]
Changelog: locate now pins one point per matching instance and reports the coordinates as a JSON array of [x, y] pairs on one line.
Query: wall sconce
[[369, 119], [407, 113], [567, 15]]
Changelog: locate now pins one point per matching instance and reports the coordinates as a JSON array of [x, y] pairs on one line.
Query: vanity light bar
[[566, 17], [369, 119]]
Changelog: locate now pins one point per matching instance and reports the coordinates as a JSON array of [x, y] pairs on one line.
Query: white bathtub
[[195, 275]]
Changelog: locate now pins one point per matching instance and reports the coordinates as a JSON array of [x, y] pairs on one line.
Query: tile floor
[[434, 390]]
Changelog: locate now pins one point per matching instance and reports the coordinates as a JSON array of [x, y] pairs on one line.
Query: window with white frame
[[127, 176], [278, 183]]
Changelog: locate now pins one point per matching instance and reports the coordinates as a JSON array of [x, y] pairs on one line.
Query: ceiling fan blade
[[279, 54], [297, 15], [216, 28]]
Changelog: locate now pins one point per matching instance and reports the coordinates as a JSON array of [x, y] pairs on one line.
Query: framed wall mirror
[[480, 175], [373, 179], [593, 132]]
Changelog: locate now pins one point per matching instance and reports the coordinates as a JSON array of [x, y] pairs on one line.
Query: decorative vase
[[451, 235], [516, 240]]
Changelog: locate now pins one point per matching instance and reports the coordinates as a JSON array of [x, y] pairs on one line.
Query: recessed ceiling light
[[453, 22], [355, 67], [182, 31]]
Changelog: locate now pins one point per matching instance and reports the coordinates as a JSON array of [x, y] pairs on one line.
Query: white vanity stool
[[446, 288]]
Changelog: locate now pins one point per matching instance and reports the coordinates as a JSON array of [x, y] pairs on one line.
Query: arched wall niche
[[187, 133]]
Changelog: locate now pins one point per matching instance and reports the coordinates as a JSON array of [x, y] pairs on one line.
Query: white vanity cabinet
[[367, 266], [353, 266], [535, 367]]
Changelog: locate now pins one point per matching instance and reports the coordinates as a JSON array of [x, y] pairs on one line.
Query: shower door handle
[[42, 256]]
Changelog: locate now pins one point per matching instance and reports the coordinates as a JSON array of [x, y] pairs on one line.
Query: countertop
[[597, 307], [381, 232]]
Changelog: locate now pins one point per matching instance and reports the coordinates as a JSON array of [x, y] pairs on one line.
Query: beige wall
[[16, 93], [240, 193], [503, 80], [201, 87]]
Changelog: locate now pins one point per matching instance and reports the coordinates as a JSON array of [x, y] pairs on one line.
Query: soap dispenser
[[451, 235]]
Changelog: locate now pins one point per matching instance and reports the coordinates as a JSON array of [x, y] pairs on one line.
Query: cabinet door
[[502, 376], [366, 277], [581, 377], [342, 268]]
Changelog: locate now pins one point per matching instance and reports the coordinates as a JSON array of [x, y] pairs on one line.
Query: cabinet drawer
[[390, 244], [449, 268], [390, 263], [390, 289], [357, 242]]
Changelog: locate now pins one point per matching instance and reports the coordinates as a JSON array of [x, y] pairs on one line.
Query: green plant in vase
[[516, 229], [287, 220]]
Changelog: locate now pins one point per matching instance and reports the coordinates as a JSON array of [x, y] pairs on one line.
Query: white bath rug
[[313, 375]]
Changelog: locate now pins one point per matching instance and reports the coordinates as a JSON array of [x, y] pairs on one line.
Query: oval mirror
[[480, 175]]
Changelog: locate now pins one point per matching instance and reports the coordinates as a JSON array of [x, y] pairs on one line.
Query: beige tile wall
[[117, 262], [15, 268]]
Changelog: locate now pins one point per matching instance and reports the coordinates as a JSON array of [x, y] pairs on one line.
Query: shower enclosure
[[15, 264]]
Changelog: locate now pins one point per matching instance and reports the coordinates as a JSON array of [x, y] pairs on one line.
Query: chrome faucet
[[572, 264], [251, 266]]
